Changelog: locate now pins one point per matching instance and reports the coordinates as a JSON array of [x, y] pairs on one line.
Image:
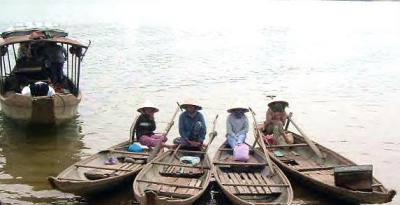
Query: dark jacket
[[144, 126], [187, 126]]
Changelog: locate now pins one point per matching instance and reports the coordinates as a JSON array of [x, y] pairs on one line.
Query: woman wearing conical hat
[[146, 125], [275, 120], [192, 127], [237, 126]]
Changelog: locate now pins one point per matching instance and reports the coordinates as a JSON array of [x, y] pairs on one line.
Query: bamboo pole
[[308, 141], [261, 142], [157, 148]]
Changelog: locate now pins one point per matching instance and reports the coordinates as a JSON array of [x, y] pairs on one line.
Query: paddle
[[157, 148], [261, 142], [308, 141], [132, 130], [212, 134]]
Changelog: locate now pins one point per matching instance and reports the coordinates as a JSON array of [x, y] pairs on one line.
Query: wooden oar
[[212, 134], [261, 142], [132, 130], [308, 141], [157, 148]]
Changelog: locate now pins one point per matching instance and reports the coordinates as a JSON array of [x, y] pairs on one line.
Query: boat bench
[[173, 187], [249, 183], [177, 171]]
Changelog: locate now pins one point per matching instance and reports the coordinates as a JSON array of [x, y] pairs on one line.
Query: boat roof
[[22, 29], [23, 33]]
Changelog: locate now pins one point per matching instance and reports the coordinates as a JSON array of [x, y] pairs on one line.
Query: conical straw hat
[[237, 106], [147, 104], [190, 102], [279, 100]]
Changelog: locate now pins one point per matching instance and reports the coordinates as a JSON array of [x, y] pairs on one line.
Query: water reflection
[[28, 155]]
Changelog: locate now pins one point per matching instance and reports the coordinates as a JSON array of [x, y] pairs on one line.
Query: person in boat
[[38, 89], [54, 57], [276, 118], [237, 126], [146, 125], [29, 55], [192, 127]]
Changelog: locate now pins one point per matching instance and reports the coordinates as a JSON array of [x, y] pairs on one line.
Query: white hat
[[147, 104], [190, 102], [237, 106]]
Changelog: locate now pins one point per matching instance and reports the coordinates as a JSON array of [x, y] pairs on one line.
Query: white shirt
[[27, 90]]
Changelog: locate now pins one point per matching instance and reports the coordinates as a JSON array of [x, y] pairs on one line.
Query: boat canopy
[[36, 32], [22, 29], [27, 38]]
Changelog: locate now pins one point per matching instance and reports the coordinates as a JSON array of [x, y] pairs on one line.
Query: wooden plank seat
[[102, 167], [173, 187], [180, 165], [96, 173], [240, 163], [190, 186], [289, 145], [186, 172], [250, 184], [310, 169], [126, 152]]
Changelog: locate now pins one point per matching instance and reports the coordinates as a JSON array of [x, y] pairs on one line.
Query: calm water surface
[[336, 62]]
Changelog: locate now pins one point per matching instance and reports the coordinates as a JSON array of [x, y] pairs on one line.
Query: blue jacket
[[187, 124]]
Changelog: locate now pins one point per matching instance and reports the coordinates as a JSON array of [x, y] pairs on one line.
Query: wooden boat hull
[[322, 178], [40, 110], [74, 180], [148, 193], [256, 173]]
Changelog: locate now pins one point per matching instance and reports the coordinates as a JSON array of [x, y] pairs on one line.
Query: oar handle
[[171, 122], [261, 142], [212, 134], [308, 141], [132, 130]]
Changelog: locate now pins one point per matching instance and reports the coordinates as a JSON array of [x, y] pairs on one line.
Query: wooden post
[[308, 141], [261, 142]]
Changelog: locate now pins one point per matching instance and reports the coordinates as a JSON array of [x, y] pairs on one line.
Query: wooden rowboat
[[166, 181], [250, 182], [93, 175], [300, 162]]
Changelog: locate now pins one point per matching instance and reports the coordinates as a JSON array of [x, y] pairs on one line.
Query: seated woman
[[145, 126], [237, 126], [275, 120]]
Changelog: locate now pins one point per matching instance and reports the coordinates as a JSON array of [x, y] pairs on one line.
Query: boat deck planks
[[177, 183], [91, 175]]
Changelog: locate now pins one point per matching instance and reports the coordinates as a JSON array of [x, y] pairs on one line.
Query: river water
[[336, 62]]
